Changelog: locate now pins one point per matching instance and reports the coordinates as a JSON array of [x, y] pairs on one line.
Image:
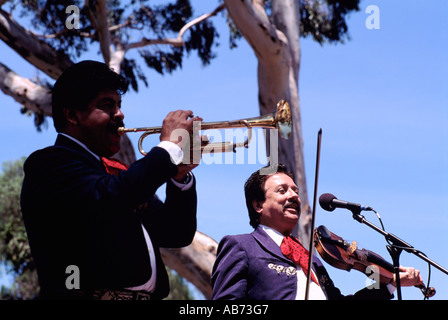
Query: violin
[[346, 256]]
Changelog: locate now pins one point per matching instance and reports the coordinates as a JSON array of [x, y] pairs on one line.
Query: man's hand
[[183, 169], [177, 127], [408, 277]]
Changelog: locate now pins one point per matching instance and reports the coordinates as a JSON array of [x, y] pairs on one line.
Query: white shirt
[[315, 291], [176, 155]]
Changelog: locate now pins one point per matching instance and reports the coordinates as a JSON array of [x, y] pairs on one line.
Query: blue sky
[[382, 104]]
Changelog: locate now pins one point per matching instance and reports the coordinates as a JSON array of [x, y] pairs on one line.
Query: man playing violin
[[268, 264], [94, 224]]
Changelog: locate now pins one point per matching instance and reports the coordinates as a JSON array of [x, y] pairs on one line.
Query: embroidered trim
[[290, 271]]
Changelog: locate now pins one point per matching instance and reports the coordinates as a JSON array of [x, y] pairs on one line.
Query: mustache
[[293, 204], [113, 126]]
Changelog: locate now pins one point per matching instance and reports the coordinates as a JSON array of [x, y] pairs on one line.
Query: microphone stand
[[395, 254], [396, 248]]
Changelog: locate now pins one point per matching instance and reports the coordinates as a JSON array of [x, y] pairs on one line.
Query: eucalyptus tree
[[52, 35]]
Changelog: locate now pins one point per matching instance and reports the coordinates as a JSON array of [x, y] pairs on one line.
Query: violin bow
[[316, 178]]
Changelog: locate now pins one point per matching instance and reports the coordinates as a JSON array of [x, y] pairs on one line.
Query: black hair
[[254, 190], [80, 84]]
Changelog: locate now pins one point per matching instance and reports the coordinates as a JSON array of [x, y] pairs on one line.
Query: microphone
[[329, 202]]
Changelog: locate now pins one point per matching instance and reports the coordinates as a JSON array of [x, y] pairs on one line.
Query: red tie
[[293, 250], [114, 166]]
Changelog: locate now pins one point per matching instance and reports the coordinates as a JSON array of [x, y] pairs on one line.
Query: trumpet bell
[[280, 119], [284, 119]]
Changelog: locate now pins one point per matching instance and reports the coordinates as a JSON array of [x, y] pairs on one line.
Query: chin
[[293, 220], [114, 148], [109, 152], [114, 151]]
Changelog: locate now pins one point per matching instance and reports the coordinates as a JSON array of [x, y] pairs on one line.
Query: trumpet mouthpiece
[[121, 131]]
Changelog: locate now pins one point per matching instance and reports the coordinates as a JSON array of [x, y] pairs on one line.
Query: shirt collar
[[273, 234], [81, 144]]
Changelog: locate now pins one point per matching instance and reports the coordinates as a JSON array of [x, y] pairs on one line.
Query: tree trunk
[[276, 44], [194, 262]]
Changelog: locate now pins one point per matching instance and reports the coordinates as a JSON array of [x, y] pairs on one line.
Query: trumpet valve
[[205, 140]]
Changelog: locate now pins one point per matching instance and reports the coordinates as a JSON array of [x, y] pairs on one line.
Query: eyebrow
[[284, 185], [108, 99]]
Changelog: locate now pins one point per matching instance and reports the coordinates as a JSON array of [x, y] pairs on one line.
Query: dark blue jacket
[[77, 214]]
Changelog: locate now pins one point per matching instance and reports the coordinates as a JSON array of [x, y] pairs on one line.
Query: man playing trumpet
[[95, 225]]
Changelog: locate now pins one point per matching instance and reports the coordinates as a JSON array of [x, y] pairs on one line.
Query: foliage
[[323, 20], [14, 248], [129, 20], [179, 289]]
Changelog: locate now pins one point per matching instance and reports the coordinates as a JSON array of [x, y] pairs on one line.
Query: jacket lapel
[[64, 142], [269, 245]]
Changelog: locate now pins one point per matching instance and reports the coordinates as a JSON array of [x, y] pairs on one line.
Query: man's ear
[[71, 116], [258, 206]]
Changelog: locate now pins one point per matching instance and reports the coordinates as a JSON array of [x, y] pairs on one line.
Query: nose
[[118, 114], [293, 195]]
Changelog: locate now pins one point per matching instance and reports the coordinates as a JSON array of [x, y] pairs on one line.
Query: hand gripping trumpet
[[280, 119]]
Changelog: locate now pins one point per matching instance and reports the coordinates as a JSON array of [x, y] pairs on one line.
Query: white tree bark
[[275, 41], [30, 48], [98, 18], [29, 94]]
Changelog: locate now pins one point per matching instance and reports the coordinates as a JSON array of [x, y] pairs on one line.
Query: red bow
[[113, 166]]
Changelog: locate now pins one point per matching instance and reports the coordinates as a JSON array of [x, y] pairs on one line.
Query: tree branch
[[38, 53], [31, 95], [286, 17], [178, 41], [198, 20], [195, 262], [251, 19], [98, 18], [145, 42], [59, 34], [117, 57]]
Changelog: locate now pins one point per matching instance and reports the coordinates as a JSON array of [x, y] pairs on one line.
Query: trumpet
[[280, 119]]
